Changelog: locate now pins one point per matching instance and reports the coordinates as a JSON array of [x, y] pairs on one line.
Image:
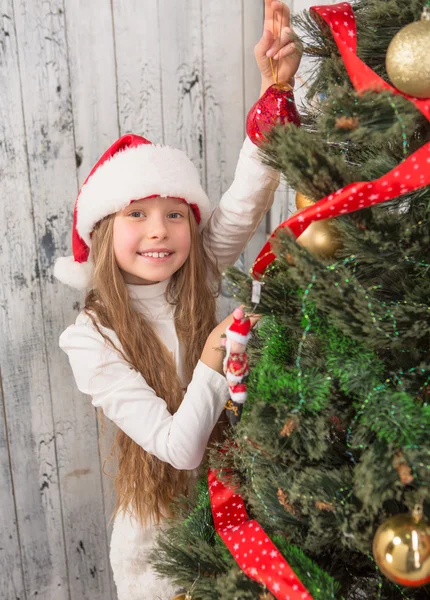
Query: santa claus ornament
[[235, 364]]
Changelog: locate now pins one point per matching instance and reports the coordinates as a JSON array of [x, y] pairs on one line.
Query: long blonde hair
[[144, 483]]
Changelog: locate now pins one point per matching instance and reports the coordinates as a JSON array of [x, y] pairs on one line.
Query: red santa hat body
[[240, 329], [238, 392], [131, 169]]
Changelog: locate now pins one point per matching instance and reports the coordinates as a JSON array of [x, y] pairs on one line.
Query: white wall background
[[74, 75]]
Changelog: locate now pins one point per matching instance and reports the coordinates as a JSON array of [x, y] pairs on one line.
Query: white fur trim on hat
[[134, 173], [72, 273], [241, 339], [239, 397], [235, 378]]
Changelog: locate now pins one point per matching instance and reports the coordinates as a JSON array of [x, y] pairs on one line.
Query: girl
[[144, 347]]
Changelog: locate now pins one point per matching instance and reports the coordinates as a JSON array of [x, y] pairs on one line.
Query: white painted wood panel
[[138, 46], [12, 580], [12, 165], [26, 394], [91, 64], [48, 113], [181, 63], [93, 87]]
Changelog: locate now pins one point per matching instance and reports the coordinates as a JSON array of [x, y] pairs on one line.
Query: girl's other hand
[[213, 354], [285, 49]]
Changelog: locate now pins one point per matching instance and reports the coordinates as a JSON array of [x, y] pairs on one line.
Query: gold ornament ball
[[183, 597], [408, 58], [401, 548], [303, 201], [320, 237]]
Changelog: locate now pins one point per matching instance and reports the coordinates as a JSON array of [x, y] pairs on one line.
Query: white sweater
[[121, 392], [125, 397]]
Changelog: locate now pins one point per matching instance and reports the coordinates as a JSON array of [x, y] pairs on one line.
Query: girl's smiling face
[[151, 239]]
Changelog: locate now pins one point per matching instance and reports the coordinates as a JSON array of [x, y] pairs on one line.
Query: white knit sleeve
[[243, 206], [125, 398]]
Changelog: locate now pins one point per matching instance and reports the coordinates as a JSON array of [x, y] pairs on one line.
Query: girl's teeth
[[156, 254]]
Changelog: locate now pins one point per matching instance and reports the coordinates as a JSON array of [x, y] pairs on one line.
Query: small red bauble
[[276, 105]]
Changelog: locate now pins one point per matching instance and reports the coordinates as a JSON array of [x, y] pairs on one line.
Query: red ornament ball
[[276, 105]]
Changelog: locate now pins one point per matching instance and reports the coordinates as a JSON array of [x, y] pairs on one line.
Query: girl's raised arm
[[242, 207], [251, 195]]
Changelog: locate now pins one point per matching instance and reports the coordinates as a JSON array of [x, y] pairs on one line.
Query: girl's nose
[[157, 228]]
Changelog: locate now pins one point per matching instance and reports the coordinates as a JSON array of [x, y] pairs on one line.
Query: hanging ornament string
[[252, 549], [412, 174], [275, 74]]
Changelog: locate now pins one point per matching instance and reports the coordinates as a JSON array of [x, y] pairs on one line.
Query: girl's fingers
[[281, 12], [272, 7], [263, 45], [254, 321], [268, 11], [254, 318], [287, 36], [269, 14], [286, 51]]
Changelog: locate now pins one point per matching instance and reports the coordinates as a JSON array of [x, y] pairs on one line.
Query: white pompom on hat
[[131, 169]]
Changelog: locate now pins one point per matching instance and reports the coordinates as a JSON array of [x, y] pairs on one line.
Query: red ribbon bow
[[253, 551], [410, 175]]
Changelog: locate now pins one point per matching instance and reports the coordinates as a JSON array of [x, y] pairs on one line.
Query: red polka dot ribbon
[[412, 174], [253, 551]]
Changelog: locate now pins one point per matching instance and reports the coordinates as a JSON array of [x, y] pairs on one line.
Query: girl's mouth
[[156, 256]]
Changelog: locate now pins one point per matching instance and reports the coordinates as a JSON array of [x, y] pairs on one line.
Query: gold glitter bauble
[[303, 201], [408, 58], [401, 548], [320, 237], [183, 597]]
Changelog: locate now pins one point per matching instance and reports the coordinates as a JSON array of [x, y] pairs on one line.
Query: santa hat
[[240, 329], [131, 169], [238, 392]]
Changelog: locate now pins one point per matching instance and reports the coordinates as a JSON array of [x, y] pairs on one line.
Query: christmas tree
[[332, 454]]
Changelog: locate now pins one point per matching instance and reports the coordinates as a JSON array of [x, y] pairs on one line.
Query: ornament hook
[[417, 513]]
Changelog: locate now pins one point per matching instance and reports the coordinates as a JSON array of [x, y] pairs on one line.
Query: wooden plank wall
[[74, 75]]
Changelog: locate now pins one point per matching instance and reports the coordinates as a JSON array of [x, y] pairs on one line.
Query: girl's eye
[[175, 215], [137, 214]]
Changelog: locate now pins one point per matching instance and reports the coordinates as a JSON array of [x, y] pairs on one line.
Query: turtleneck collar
[[150, 300], [147, 292]]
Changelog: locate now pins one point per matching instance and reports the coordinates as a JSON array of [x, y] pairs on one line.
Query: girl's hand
[[285, 50], [213, 354]]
